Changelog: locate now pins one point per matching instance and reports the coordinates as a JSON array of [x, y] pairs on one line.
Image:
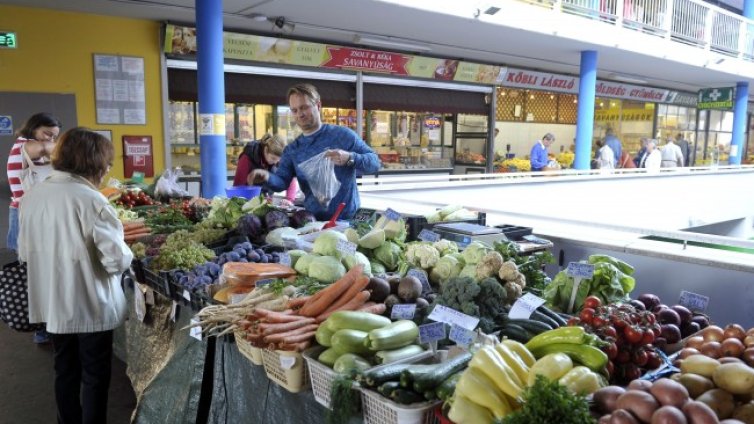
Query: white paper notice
[[434, 134], [108, 116], [195, 332], [132, 65], [451, 316], [525, 306], [287, 362], [120, 90], [104, 89], [106, 63], [136, 91], [134, 116], [734, 150]]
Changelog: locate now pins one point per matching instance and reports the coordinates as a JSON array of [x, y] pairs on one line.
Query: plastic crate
[[381, 410], [514, 232], [159, 281], [287, 369], [253, 354]]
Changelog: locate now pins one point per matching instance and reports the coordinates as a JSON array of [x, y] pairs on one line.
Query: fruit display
[[132, 198], [676, 321]]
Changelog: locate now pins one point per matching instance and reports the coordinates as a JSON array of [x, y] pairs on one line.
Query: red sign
[[137, 155], [366, 60]]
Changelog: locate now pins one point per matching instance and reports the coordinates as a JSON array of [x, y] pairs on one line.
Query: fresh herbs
[[344, 400], [303, 284], [549, 402]]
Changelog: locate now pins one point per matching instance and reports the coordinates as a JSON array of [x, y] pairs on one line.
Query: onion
[[683, 313], [750, 332], [687, 351], [734, 331], [711, 349], [671, 333], [731, 347], [713, 333], [669, 316], [749, 341], [748, 356], [649, 300], [695, 342]]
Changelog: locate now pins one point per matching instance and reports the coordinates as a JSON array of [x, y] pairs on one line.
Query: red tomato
[[631, 372], [586, 315], [623, 357], [633, 334], [648, 337], [611, 351], [609, 331], [640, 358], [592, 302], [573, 321], [599, 321], [653, 360]]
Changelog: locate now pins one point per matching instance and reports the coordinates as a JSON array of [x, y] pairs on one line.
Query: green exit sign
[[7, 40]]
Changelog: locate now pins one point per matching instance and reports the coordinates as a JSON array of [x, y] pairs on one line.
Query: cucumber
[[405, 396], [350, 341], [323, 336], [388, 356], [386, 388], [349, 363], [382, 374], [355, 320], [409, 375], [515, 332], [446, 389], [557, 318], [430, 395], [541, 317], [531, 325], [431, 380], [329, 356], [398, 334]]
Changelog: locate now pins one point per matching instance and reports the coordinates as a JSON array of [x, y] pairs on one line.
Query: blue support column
[[585, 118], [749, 9], [210, 76], [739, 123]]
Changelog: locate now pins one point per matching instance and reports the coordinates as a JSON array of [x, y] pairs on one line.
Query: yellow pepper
[[465, 411], [581, 380], [552, 366], [489, 362], [473, 384]]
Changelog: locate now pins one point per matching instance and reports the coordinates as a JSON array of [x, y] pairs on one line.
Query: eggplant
[[671, 333], [683, 313], [638, 305], [669, 316], [649, 300], [701, 319]]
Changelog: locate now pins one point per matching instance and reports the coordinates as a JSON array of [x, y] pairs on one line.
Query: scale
[[464, 233]]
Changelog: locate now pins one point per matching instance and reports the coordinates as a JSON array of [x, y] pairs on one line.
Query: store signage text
[[366, 60], [715, 98], [432, 122], [633, 92], [541, 80], [7, 40]]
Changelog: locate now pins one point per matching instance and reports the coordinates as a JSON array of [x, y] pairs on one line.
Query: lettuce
[[326, 269]]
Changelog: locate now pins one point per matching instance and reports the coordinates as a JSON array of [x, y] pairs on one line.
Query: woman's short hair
[[305, 89], [42, 119], [83, 152], [274, 144]]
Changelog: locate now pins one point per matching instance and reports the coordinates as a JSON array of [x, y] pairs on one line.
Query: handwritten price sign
[[451, 316], [431, 332], [525, 306], [695, 302], [580, 270]]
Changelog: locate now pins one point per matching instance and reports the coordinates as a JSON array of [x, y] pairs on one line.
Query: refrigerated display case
[[470, 142]]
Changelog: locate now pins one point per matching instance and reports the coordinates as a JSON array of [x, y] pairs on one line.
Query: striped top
[[15, 165]]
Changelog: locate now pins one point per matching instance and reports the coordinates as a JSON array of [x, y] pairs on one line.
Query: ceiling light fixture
[[626, 78], [258, 17], [491, 10], [391, 42]]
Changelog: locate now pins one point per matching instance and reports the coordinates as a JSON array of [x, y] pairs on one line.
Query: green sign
[[7, 40], [715, 98]]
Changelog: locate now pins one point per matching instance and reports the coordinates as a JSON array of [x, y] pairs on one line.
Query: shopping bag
[[14, 300]]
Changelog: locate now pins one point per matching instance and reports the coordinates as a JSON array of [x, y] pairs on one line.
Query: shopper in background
[[538, 155], [652, 158], [72, 242], [263, 154], [604, 158], [685, 148], [672, 157], [640, 153], [626, 161], [347, 150], [612, 141], [29, 162]]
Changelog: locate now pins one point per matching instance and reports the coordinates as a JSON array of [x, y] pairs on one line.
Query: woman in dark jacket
[[263, 154]]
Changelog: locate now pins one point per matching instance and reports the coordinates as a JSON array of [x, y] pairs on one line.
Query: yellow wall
[[55, 56]]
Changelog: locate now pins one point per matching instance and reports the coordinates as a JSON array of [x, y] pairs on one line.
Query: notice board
[[119, 89]]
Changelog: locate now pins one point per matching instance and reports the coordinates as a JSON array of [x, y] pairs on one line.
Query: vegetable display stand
[[439, 417], [320, 375], [381, 410], [287, 369], [253, 354], [157, 280]]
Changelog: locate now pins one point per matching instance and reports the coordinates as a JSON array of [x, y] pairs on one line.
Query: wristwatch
[[350, 161]]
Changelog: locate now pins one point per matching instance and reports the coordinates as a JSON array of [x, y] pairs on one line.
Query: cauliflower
[[446, 247], [475, 251], [422, 254], [489, 265], [520, 280], [513, 291], [447, 267], [508, 271], [468, 271]]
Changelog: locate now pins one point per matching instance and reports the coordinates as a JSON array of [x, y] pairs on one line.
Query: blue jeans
[[12, 241]]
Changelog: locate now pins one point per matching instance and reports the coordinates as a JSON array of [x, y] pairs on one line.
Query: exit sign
[[7, 40]]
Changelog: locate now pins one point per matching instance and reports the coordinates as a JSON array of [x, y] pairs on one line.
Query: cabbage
[[377, 267], [303, 262], [326, 243], [352, 235], [250, 226], [474, 252], [295, 255], [389, 254], [372, 239], [446, 247], [276, 237], [351, 261], [326, 269], [447, 267], [258, 205], [301, 217], [394, 230], [276, 219]]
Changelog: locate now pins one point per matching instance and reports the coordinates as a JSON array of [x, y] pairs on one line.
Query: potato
[[695, 384], [720, 401], [699, 364], [668, 415], [640, 403], [669, 392], [731, 421], [605, 419], [621, 416], [606, 398], [643, 385], [699, 413], [735, 378], [745, 413]]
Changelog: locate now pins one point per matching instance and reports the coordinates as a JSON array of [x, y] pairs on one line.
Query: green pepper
[[581, 381], [590, 356], [572, 334]]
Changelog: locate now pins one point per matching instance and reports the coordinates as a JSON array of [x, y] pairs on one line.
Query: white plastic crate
[[320, 375], [288, 369], [253, 354], [381, 410]]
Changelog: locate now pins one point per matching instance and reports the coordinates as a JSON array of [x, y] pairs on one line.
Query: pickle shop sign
[[366, 60]]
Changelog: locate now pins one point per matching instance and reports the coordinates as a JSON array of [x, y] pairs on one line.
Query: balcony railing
[[691, 22]]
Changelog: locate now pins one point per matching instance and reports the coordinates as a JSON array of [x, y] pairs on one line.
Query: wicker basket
[[288, 369], [381, 410], [253, 354]]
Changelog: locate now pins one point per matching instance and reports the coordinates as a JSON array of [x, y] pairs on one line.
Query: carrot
[[132, 224], [297, 302], [295, 347], [377, 308], [137, 230], [284, 337], [272, 316], [268, 329], [143, 231], [318, 302], [299, 338], [361, 282], [353, 304]]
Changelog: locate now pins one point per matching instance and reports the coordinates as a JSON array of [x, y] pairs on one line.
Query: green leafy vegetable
[[344, 400], [549, 402]]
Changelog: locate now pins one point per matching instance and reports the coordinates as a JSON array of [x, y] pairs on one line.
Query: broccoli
[[422, 254], [486, 299], [460, 294], [492, 299], [489, 265]]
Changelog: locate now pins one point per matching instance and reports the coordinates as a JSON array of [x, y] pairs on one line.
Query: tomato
[[648, 337], [599, 321], [653, 360], [631, 372], [657, 330], [609, 331], [623, 357], [611, 351], [592, 302], [650, 317], [610, 368], [586, 315], [633, 334], [640, 358], [573, 322], [618, 322]]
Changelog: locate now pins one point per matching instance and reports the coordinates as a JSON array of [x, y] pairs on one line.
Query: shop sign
[[715, 98], [366, 60], [614, 115], [683, 99], [631, 92], [432, 122], [7, 40], [521, 78], [6, 125]]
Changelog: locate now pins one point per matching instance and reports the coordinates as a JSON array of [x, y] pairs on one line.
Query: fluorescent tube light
[[391, 42], [627, 78]]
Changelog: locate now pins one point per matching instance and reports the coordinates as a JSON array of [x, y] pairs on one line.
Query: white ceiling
[[530, 40]]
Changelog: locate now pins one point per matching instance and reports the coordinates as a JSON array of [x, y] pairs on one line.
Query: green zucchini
[[382, 374], [349, 363], [323, 336], [431, 380], [386, 388], [550, 313], [542, 317], [446, 389], [355, 320], [329, 356], [398, 334], [350, 341], [515, 332], [409, 375], [430, 395], [388, 356], [531, 325], [405, 396]]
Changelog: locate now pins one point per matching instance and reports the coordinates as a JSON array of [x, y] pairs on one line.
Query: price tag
[[139, 306], [431, 332], [173, 310], [461, 335], [285, 259], [195, 331], [287, 362], [525, 306], [420, 275], [694, 302], [363, 215], [345, 247], [463, 242], [451, 316], [186, 295], [149, 296], [264, 282], [392, 215], [580, 270], [235, 298], [403, 311], [428, 235]]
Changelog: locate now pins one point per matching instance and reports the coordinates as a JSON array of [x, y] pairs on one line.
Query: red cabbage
[[276, 219], [301, 217], [251, 226]]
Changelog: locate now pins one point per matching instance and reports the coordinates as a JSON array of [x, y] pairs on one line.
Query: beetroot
[[649, 300], [669, 316], [683, 313]]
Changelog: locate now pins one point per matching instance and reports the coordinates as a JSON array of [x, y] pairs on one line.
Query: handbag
[[32, 173], [14, 299]]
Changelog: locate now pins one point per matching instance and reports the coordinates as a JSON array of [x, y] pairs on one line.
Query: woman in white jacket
[[72, 241]]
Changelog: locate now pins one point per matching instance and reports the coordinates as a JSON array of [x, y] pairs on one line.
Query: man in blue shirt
[[612, 141], [538, 157], [341, 145]]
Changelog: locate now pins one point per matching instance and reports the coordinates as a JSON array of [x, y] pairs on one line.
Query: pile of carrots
[[294, 328], [134, 230]]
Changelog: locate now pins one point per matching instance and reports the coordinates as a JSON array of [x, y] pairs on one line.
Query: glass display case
[[471, 140]]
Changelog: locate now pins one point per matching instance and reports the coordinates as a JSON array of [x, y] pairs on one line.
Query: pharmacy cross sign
[[715, 98]]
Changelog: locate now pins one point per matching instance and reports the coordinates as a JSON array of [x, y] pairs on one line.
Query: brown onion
[[695, 342], [731, 347], [713, 333], [687, 351], [711, 349], [749, 341], [748, 356], [735, 331]]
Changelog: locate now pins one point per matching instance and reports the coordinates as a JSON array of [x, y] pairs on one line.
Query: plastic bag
[[168, 186], [320, 174]]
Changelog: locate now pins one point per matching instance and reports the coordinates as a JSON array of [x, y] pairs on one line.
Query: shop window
[[535, 106], [509, 105], [408, 140], [568, 108], [541, 106]]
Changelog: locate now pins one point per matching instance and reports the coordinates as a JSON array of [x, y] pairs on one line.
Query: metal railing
[[691, 22]]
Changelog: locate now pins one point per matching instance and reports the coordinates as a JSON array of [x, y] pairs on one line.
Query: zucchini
[[398, 334], [515, 332], [348, 363], [430, 380], [409, 375], [446, 389], [329, 356], [355, 320], [382, 374], [388, 356], [386, 388], [531, 325], [323, 336], [430, 395], [405, 396], [541, 317], [557, 318], [350, 341]]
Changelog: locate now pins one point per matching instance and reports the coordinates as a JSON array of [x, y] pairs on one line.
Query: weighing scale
[[464, 233]]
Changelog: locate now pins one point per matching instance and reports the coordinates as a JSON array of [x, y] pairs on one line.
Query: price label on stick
[[186, 295], [346, 247], [420, 275], [580, 270], [428, 235], [285, 259], [403, 311], [461, 335], [525, 306], [392, 215], [196, 330], [451, 316], [694, 302], [431, 332], [363, 215]]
